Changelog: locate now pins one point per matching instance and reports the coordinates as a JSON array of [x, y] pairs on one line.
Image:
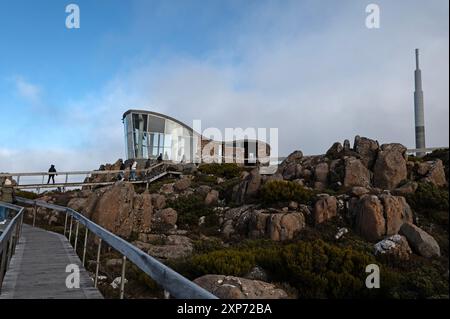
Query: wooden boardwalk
[[38, 269]]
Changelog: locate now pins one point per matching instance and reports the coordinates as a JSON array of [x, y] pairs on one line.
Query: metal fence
[[9, 237], [172, 282]]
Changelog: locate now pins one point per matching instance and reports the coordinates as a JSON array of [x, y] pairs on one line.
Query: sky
[[310, 68]]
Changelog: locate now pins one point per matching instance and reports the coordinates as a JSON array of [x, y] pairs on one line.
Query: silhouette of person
[[52, 173]]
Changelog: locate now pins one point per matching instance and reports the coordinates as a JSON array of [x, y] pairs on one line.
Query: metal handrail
[[96, 172], [9, 238], [171, 281]]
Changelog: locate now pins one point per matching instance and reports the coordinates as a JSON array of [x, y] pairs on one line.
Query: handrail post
[[97, 262], [122, 279], [85, 244], [3, 264], [70, 228], [76, 236], [65, 225], [10, 251], [34, 214]]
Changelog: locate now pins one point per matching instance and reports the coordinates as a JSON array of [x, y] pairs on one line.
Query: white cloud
[[318, 84], [27, 90]]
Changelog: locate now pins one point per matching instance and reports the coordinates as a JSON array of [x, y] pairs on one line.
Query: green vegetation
[[227, 170], [26, 194], [317, 269], [281, 191], [190, 208], [428, 196]]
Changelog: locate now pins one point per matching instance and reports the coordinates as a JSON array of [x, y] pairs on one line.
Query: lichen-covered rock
[[321, 176], [395, 245], [229, 287]]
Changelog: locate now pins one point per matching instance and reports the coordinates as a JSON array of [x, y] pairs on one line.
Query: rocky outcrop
[[356, 174], [248, 187], [367, 150], [376, 217], [421, 242], [390, 167], [324, 209], [174, 247], [182, 184], [285, 226], [229, 287], [370, 222], [167, 216], [321, 176], [251, 223], [432, 172], [120, 210], [396, 211]]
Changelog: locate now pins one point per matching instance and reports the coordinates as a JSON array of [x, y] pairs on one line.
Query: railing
[[86, 174], [9, 238], [172, 282]]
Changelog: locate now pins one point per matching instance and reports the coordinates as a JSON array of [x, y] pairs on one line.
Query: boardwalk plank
[[38, 269]]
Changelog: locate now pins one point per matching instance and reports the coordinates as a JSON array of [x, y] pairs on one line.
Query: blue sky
[[310, 68]]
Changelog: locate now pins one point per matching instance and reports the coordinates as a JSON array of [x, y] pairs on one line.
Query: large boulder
[[356, 174], [376, 217], [421, 242], [229, 287], [182, 184], [335, 151], [321, 176], [175, 247], [324, 209], [212, 198], [167, 216], [285, 226], [158, 201], [248, 187], [396, 211], [367, 150], [432, 172], [120, 210], [275, 225], [390, 167], [370, 222]]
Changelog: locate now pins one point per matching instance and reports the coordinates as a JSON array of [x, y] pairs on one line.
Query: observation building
[[150, 134]]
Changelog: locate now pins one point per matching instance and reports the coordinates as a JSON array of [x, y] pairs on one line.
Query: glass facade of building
[[150, 134]]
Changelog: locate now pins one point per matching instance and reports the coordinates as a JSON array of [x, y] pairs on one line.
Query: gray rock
[[422, 242]]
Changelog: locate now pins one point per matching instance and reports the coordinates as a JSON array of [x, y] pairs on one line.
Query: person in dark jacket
[[121, 176], [51, 174], [160, 158]]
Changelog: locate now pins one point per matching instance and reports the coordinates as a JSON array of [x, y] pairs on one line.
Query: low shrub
[[190, 208], [227, 170], [281, 191], [429, 196]]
